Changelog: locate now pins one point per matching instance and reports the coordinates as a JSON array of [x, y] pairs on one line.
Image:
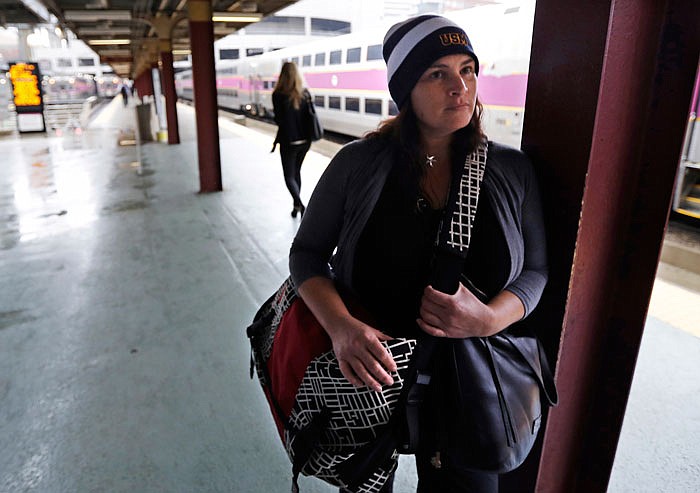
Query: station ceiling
[[95, 21]]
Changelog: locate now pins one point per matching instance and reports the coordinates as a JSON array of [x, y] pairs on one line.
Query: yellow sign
[[25, 84]]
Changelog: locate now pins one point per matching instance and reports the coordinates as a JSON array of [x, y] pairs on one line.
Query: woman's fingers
[[348, 372], [431, 329], [367, 377], [368, 367], [383, 356], [362, 357]]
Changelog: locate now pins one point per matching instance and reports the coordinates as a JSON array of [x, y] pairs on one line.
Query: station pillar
[[166, 60], [609, 90], [144, 83], [204, 82]]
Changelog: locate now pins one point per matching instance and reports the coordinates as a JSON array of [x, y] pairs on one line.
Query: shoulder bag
[[314, 127]]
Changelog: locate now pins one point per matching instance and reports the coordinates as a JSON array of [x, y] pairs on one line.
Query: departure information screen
[[26, 86]]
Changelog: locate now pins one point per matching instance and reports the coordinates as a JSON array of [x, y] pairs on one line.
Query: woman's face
[[444, 97]]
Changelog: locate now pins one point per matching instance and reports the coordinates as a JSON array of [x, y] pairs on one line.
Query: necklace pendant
[[430, 161]]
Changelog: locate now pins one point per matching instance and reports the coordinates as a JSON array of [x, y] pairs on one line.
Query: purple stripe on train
[[508, 90]]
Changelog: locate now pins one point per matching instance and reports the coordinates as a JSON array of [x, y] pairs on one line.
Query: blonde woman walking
[[290, 103]]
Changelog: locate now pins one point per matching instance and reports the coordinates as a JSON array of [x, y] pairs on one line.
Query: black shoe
[[298, 209]]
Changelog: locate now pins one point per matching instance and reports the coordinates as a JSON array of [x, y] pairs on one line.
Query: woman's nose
[[458, 86]]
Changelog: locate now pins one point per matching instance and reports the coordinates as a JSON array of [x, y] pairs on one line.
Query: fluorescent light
[[103, 42], [102, 31], [235, 17], [182, 52], [115, 52], [97, 15]]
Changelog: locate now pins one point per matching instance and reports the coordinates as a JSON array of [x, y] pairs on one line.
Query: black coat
[[292, 124]]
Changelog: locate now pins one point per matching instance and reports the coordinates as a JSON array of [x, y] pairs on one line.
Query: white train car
[[7, 106], [346, 75]]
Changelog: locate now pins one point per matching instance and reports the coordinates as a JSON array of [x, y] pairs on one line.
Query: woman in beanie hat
[[371, 225]]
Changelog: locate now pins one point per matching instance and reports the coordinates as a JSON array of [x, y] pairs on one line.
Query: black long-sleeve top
[[350, 188]]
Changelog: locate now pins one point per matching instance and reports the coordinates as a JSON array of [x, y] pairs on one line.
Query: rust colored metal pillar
[[609, 90], [166, 59], [145, 86], [204, 81]]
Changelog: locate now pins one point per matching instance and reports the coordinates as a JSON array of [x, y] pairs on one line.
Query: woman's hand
[[362, 358], [462, 315]]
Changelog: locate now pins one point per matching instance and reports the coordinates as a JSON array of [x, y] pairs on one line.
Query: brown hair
[[402, 131], [290, 84]]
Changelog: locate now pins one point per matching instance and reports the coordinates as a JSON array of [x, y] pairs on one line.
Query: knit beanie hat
[[411, 46]]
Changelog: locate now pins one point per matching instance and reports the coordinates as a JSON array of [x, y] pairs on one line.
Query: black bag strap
[[451, 249]]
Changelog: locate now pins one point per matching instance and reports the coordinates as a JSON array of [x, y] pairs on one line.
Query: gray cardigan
[[347, 192]]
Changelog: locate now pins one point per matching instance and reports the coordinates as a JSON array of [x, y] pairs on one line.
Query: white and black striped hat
[[411, 46]]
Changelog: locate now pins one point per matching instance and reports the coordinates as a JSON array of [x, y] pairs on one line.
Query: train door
[[255, 82], [686, 198]]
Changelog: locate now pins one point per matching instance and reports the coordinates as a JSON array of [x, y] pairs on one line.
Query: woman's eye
[[436, 75]]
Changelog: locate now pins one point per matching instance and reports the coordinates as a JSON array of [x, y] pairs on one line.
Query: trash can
[[143, 116]]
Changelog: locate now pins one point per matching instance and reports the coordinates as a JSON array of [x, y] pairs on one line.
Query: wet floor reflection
[[57, 181]]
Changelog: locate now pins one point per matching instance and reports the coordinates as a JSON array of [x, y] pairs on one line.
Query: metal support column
[[609, 91], [204, 81], [164, 27], [166, 58]]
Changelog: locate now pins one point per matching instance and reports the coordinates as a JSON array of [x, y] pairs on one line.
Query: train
[[346, 74], [79, 87], [7, 106], [64, 88]]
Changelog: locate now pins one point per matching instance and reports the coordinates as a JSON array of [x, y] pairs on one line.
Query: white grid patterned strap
[[463, 210]]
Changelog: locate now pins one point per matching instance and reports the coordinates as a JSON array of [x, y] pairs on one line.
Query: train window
[[335, 58], [353, 55], [320, 59], [86, 62], [306, 61], [328, 26], [352, 104], [320, 101], [253, 51], [276, 25], [334, 102], [295, 60], [64, 62], [374, 52], [373, 106], [229, 54], [393, 110]]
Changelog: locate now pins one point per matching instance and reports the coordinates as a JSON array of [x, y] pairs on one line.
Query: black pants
[[444, 480], [292, 157], [431, 480]]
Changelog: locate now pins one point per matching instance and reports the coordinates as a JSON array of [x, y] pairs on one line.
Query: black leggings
[[444, 480], [292, 157]]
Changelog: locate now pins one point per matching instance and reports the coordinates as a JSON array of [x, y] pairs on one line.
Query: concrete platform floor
[[124, 296]]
